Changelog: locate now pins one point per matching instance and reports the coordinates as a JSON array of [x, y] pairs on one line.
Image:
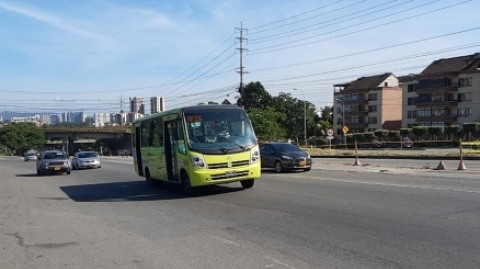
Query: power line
[[199, 61], [350, 33], [266, 11], [386, 62], [315, 26], [371, 50], [294, 16]]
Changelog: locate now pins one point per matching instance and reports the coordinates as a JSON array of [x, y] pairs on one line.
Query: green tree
[[452, 130], [392, 134], [254, 95], [20, 137], [327, 114], [369, 136], [405, 131], [419, 131], [380, 133], [434, 131], [266, 123]]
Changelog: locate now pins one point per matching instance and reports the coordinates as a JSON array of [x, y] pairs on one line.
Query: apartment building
[[157, 104], [137, 105], [368, 104], [446, 93]]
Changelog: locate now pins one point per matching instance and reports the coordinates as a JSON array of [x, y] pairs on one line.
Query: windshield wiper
[[224, 149], [242, 146]]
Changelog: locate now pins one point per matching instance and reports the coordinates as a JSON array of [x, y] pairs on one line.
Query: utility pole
[[121, 103], [241, 49]]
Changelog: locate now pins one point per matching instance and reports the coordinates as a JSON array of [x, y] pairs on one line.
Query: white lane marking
[[226, 241], [278, 262], [396, 185]]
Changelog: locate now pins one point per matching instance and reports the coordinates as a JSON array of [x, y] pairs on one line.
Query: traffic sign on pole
[[330, 132]]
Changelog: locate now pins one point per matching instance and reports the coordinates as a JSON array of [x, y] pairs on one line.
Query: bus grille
[[225, 165], [230, 175], [240, 163], [217, 165]]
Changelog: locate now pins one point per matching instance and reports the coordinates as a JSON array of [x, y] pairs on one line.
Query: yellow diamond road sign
[[345, 129]]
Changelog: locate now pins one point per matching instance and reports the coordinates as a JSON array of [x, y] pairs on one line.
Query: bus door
[[138, 149], [170, 149]]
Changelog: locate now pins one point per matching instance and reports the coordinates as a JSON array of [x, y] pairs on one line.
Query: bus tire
[[185, 181], [247, 184]]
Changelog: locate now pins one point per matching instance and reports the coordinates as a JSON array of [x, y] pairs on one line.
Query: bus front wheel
[[247, 184], [186, 186]]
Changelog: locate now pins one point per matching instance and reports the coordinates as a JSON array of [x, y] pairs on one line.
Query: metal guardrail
[[120, 130]]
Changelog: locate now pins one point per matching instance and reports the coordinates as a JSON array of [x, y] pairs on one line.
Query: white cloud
[[52, 20]]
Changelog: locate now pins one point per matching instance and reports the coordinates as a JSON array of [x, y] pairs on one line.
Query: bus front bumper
[[219, 176]]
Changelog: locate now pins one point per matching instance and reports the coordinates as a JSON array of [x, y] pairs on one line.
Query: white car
[[30, 156], [85, 159]]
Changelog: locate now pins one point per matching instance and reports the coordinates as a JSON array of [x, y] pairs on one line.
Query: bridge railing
[[88, 130]]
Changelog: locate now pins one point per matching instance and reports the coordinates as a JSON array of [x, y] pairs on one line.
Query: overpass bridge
[[75, 133]]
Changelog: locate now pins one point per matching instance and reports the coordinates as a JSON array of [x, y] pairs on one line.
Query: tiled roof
[[407, 78], [368, 82], [455, 64]]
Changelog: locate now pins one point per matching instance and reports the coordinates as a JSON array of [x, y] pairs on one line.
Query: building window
[[372, 108], [423, 113], [386, 84], [465, 82], [411, 87], [372, 97], [465, 97], [464, 112], [372, 120]]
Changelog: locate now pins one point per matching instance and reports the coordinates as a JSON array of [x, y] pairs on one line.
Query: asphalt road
[[110, 218]]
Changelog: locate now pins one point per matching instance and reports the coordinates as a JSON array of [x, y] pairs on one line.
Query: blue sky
[[72, 55]]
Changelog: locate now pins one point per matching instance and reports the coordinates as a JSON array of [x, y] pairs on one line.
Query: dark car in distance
[[53, 161], [284, 156]]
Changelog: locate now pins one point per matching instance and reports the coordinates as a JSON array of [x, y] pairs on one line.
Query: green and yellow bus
[[197, 146]]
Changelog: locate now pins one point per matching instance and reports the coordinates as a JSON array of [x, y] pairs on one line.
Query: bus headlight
[[255, 156], [198, 162]]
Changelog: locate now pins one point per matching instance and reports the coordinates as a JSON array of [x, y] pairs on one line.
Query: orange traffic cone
[[461, 166], [441, 166]]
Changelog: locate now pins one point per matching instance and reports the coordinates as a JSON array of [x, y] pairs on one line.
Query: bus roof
[[191, 108]]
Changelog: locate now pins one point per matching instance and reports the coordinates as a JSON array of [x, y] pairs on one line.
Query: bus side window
[[159, 131], [145, 134], [180, 138], [134, 135], [151, 137]]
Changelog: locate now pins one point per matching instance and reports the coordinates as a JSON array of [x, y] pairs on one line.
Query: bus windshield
[[219, 131]]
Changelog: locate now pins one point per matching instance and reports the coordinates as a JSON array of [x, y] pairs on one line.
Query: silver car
[[86, 159], [30, 156], [53, 161]]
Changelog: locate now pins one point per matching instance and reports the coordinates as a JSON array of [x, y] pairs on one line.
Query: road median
[[394, 154]]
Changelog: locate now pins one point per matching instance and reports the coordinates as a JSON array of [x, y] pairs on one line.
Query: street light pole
[[343, 120], [304, 116]]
